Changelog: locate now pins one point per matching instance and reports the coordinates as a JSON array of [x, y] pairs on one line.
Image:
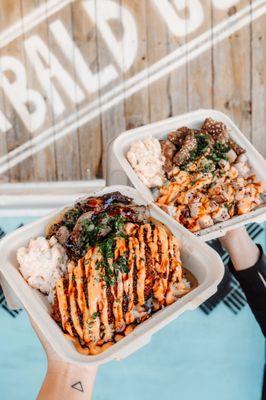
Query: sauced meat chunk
[[62, 234], [102, 202], [168, 150], [237, 149], [217, 129], [189, 145], [177, 137], [80, 224], [95, 226], [131, 213]]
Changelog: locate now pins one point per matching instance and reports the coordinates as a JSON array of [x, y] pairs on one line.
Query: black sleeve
[[253, 283]]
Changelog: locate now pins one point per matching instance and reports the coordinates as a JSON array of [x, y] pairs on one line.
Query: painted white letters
[[47, 68], [20, 96], [181, 26]]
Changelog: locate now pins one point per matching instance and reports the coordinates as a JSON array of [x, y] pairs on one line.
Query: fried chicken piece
[[217, 129], [189, 145], [168, 151], [177, 137], [237, 149], [219, 133]]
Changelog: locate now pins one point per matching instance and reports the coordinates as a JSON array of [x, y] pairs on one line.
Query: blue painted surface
[[219, 356]]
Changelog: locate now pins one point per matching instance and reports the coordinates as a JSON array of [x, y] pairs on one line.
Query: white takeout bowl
[[194, 120], [197, 257]]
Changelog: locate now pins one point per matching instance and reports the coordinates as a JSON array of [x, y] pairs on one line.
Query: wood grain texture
[[113, 120], [67, 147], [137, 105], [3, 142], [18, 134], [230, 77], [199, 70], [44, 162], [157, 48], [89, 135], [178, 79], [258, 79], [232, 71]]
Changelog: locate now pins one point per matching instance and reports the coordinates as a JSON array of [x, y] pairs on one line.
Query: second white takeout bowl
[[197, 257], [193, 120]]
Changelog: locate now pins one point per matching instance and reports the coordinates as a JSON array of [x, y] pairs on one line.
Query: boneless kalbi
[[102, 202], [103, 218], [91, 205]]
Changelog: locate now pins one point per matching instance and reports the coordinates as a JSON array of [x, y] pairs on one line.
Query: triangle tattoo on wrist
[[78, 386]]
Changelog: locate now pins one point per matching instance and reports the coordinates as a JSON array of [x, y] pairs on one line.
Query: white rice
[[42, 263], [145, 157]]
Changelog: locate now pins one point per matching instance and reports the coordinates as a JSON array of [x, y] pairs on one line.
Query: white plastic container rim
[[199, 258], [194, 120], [40, 198]]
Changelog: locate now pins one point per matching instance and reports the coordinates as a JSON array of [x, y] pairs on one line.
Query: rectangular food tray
[[197, 257], [194, 120]]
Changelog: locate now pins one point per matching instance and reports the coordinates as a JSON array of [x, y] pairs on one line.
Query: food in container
[[197, 258], [207, 176], [117, 266]]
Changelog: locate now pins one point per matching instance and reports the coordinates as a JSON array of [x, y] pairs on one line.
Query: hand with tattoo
[[64, 380]]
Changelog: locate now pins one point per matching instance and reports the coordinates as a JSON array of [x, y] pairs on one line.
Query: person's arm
[[67, 381], [248, 264], [64, 380]]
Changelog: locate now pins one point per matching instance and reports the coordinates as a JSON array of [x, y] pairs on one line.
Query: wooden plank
[[44, 160], [200, 69], [12, 16], [18, 134], [232, 70], [4, 177], [178, 79], [67, 147], [137, 105], [157, 44], [238, 77], [90, 143], [259, 84], [113, 120]]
